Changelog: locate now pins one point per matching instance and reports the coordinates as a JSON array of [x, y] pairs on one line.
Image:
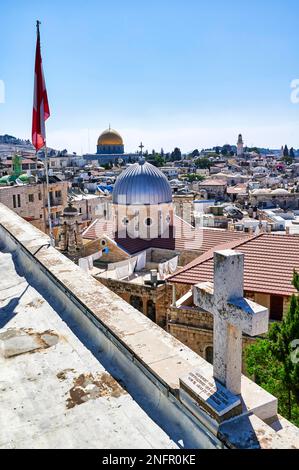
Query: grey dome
[[141, 184]]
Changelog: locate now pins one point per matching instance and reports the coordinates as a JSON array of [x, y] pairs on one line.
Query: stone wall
[[160, 296], [30, 202], [114, 255], [194, 328]]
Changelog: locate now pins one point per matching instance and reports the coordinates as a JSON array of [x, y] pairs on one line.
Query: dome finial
[[141, 146]]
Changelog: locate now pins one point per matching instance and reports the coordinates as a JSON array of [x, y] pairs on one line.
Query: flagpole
[[52, 240]]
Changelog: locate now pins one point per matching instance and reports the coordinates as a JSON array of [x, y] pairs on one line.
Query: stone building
[[266, 198], [30, 202], [213, 188], [91, 207]]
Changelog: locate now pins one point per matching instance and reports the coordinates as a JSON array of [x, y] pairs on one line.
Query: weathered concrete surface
[[250, 432], [59, 395]]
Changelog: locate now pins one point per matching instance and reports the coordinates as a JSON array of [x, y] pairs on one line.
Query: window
[[80, 210], [209, 354], [14, 201], [137, 302], [39, 196], [31, 197], [276, 307], [57, 193], [19, 200], [148, 221], [151, 310]]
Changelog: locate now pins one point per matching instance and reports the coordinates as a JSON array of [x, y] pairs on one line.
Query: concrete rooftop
[[61, 395], [66, 380]]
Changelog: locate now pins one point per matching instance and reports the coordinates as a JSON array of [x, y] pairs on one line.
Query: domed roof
[[24, 178], [280, 192], [4, 179], [110, 137], [260, 192], [141, 184]]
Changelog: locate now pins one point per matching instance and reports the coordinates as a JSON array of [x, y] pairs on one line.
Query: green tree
[[176, 154], [203, 163], [274, 361], [191, 177], [158, 160], [288, 160], [292, 153], [286, 151], [195, 153]]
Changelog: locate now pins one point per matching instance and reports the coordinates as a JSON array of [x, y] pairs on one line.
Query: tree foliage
[[176, 154], [274, 361], [286, 151], [203, 163]]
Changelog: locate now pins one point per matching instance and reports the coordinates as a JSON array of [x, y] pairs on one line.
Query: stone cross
[[233, 314], [141, 146]]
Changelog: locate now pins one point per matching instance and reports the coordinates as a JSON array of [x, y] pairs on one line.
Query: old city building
[[30, 201]]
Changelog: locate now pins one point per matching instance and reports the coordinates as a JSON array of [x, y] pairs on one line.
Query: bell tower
[[240, 146]]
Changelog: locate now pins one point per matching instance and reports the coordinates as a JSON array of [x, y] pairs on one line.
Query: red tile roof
[[269, 263], [181, 237], [213, 182]]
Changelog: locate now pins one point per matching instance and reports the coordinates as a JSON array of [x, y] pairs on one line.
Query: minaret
[[70, 239], [240, 146]]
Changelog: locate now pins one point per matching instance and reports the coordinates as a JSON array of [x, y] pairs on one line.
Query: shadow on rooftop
[[8, 312]]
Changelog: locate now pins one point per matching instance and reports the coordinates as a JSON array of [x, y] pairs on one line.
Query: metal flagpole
[[52, 240]]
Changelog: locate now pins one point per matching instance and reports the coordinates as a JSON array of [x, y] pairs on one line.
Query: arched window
[[137, 302], [151, 310], [209, 354]]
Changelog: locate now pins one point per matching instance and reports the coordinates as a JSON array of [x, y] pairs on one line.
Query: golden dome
[[110, 137]]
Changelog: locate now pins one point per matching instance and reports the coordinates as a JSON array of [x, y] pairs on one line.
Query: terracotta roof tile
[[182, 236], [269, 263]]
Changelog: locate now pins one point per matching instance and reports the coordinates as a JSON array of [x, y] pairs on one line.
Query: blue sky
[[190, 73]]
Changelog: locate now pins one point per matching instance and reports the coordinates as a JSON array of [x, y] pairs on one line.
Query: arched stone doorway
[[151, 310], [137, 302], [209, 354]]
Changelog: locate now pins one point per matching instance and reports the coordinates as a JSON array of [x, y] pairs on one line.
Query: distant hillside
[[9, 144], [11, 140]]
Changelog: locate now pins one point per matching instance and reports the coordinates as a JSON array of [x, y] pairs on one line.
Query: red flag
[[41, 110]]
